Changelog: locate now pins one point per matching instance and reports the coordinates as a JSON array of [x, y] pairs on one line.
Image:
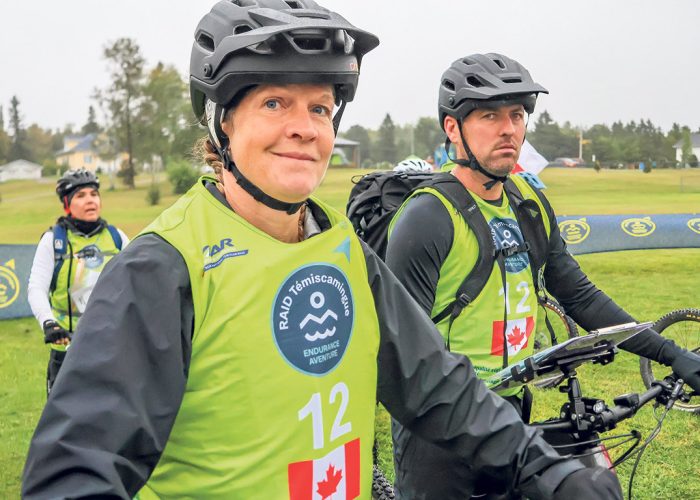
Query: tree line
[[616, 145], [146, 113]]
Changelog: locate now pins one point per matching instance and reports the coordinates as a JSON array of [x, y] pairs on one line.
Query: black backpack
[[375, 198]]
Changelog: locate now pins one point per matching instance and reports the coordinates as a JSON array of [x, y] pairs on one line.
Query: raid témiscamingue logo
[[506, 233], [312, 318]]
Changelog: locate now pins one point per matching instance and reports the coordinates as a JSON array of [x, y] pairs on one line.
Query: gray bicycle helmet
[[73, 180], [485, 80], [243, 43]]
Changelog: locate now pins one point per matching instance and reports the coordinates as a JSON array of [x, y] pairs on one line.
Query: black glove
[[54, 332], [596, 483], [687, 366]]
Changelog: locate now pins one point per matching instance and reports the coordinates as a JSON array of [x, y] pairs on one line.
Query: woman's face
[[86, 204], [282, 138]]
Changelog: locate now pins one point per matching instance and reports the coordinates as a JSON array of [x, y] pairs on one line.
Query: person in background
[[69, 258]]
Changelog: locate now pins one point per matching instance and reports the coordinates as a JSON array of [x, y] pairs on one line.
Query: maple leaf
[[330, 485], [516, 337]]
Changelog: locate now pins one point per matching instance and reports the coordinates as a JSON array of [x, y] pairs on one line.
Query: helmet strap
[[250, 188], [472, 162], [338, 116]]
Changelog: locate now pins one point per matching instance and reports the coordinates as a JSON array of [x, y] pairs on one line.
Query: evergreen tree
[[386, 142], [91, 126], [4, 139], [18, 149]]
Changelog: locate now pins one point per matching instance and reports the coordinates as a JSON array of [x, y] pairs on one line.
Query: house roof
[[694, 141], [22, 164], [84, 144]]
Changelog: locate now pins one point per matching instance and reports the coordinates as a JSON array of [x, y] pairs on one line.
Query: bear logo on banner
[[9, 284], [574, 231], [638, 226], [694, 225]]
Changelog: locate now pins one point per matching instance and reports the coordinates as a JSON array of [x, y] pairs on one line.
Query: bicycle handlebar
[[599, 417]]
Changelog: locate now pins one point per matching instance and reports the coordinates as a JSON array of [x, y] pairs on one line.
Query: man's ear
[[452, 130]]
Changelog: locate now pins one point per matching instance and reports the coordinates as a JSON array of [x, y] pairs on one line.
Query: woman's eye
[[271, 104], [321, 110]]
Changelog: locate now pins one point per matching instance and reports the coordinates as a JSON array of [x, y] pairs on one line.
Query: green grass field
[[646, 283]]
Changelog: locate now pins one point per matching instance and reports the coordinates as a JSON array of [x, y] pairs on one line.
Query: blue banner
[[582, 233], [609, 233], [15, 264]]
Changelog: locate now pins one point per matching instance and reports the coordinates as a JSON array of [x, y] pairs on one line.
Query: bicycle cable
[[640, 452]]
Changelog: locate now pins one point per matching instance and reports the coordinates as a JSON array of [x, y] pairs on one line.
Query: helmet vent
[[512, 80], [474, 81], [242, 28], [206, 41], [293, 4], [313, 44], [448, 85], [500, 63]]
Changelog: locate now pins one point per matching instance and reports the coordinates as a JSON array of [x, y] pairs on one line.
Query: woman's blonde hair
[[205, 151]]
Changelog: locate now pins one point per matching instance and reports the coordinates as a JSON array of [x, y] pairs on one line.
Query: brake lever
[[676, 393]]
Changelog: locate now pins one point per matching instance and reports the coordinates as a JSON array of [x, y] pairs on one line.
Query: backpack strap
[[60, 247], [476, 279], [115, 236], [531, 221]]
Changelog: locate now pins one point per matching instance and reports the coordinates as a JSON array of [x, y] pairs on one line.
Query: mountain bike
[[583, 420], [683, 327]]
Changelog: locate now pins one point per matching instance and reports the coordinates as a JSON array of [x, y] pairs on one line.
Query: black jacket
[[420, 241], [110, 413]]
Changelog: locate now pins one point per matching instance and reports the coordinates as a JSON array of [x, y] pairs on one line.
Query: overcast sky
[[602, 60]]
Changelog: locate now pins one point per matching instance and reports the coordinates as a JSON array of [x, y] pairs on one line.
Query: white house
[[695, 144], [20, 170]]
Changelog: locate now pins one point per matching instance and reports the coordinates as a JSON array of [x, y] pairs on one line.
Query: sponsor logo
[[91, 256], [9, 284], [638, 226], [574, 231], [312, 318], [216, 253], [334, 476], [694, 225], [506, 234], [517, 334]]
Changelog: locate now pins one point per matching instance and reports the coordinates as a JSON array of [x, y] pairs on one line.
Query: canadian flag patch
[[335, 476], [518, 333]]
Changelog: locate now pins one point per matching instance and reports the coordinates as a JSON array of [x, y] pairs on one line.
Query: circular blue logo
[[506, 233], [312, 318]]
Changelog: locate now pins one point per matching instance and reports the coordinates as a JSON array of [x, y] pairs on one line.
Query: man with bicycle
[[484, 103]]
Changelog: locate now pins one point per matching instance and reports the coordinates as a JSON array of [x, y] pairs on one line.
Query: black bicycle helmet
[[243, 43], [73, 180], [485, 80]]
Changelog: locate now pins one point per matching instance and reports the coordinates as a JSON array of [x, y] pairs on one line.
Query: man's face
[[494, 136]]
